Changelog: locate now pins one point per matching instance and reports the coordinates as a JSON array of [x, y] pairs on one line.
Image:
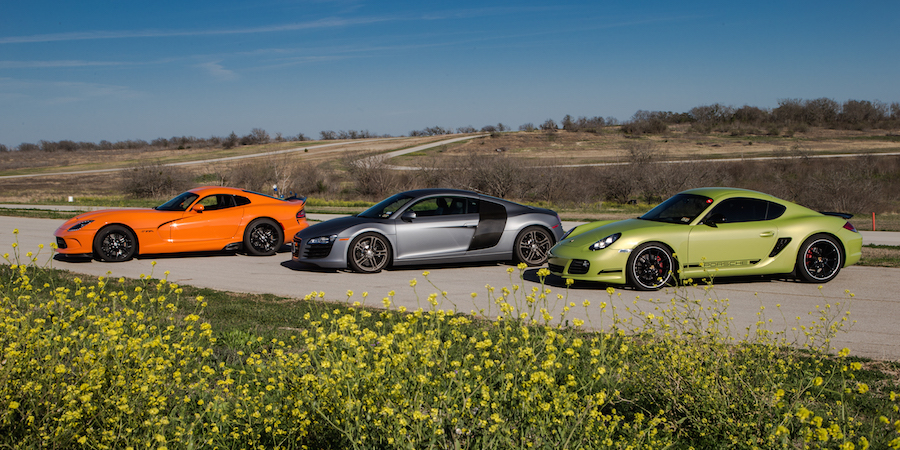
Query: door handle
[[470, 225], [767, 234]]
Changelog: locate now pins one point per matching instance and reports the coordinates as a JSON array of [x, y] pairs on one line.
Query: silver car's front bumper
[[333, 255]]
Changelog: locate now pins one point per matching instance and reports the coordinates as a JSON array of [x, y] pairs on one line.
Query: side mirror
[[714, 219], [198, 209], [408, 216]]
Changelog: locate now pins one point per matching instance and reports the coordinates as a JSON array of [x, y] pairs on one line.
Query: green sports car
[[709, 232]]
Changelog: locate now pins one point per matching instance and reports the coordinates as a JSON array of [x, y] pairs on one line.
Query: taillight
[[301, 214], [849, 226]]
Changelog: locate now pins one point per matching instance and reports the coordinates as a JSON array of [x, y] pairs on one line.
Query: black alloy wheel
[[650, 267], [820, 259], [115, 243], [263, 237]]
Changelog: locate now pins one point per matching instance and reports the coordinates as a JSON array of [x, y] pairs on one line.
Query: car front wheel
[[820, 259], [369, 253], [114, 243], [650, 267]]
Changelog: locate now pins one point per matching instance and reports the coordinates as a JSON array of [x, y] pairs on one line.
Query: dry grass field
[[679, 144], [327, 173]]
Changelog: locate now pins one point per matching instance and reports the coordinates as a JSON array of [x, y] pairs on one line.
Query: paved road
[[875, 305]]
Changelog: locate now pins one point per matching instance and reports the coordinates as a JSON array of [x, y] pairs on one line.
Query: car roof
[[717, 193], [204, 190], [439, 191]]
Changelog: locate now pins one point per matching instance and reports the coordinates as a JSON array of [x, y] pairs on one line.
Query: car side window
[[240, 200], [775, 211], [216, 202], [443, 206], [736, 210]]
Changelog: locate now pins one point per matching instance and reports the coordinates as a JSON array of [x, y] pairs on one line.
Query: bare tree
[[259, 136], [153, 180], [373, 176]]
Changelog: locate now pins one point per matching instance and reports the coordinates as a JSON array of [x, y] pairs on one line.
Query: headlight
[[605, 242], [80, 225], [322, 240]]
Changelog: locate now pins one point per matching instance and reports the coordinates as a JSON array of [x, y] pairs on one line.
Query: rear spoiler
[[844, 216]]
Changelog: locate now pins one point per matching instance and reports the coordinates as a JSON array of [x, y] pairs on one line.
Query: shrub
[[154, 180], [283, 171], [374, 178]]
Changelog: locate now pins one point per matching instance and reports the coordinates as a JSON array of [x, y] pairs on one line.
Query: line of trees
[[791, 114], [329, 135], [794, 115], [255, 137]]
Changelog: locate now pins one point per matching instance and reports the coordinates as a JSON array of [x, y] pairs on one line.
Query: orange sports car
[[210, 218]]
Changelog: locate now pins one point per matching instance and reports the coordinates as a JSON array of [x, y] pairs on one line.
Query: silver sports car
[[431, 226]]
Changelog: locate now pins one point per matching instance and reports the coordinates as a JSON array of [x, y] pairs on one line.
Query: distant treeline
[[791, 115]]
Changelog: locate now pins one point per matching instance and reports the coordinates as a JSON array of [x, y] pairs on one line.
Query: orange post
[[873, 221]]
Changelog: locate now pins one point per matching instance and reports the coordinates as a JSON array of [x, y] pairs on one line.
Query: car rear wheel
[[263, 237], [650, 267], [820, 259], [369, 253], [532, 245], [114, 243]]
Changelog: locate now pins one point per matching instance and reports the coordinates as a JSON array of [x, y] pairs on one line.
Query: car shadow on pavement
[[302, 266], [306, 267], [73, 258], [551, 280], [89, 258], [555, 281]]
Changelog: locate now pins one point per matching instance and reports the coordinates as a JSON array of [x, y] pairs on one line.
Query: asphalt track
[[874, 306]]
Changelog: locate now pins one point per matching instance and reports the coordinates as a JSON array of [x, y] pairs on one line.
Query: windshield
[[179, 203], [682, 208], [386, 207]]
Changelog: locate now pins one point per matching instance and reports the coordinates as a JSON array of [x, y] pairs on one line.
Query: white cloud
[[217, 71]]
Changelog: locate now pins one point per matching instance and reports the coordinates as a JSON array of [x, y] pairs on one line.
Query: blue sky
[[115, 70]]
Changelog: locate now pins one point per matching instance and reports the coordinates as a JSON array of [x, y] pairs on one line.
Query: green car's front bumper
[[606, 265]]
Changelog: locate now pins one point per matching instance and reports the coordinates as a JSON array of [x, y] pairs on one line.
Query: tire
[[650, 267], [369, 253], [532, 245], [263, 237], [114, 243], [820, 259]]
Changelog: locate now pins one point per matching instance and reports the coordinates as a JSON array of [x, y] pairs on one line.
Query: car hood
[[628, 228], [99, 214], [135, 217], [333, 226]]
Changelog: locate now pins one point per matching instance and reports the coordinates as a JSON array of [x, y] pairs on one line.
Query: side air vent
[[779, 246]]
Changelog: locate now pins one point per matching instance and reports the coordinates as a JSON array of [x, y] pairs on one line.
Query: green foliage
[[117, 363]]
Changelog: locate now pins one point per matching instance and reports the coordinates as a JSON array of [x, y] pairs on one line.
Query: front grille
[[556, 268], [311, 251], [60, 242], [579, 267], [317, 251]]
